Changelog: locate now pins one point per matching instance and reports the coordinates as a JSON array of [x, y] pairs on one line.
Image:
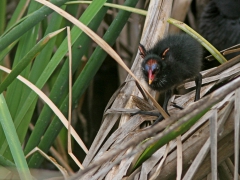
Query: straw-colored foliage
[[59, 57]]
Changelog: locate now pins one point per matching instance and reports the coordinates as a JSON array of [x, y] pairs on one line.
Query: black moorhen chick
[[169, 62]]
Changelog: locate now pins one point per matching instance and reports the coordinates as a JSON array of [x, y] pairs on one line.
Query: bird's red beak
[[150, 76]]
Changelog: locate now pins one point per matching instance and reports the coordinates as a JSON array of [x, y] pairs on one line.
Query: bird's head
[[152, 63], [151, 68]]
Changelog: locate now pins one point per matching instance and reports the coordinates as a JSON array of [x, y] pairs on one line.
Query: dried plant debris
[[225, 75], [131, 129]]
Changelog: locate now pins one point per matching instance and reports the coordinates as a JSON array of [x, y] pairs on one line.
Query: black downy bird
[[169, 62], [220, 25]]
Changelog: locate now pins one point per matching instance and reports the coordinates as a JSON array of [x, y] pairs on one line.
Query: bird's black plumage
[[171, 61], [220, 23]]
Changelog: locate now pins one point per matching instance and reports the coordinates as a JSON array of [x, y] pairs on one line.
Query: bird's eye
[[156, 70]]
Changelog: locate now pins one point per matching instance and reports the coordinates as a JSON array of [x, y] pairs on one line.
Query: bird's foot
[[150, 113], [177, 106]]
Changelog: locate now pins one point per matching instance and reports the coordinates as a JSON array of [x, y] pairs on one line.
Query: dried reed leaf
[[236, 133], [151, 162], [159, 168], [231, 51], [142, 104], [210, 57], [120, 111], [222, 67], [179, 158], [213, 143], [123, 131], [114, 96], [227, 73], [179, 12], [52, 160]]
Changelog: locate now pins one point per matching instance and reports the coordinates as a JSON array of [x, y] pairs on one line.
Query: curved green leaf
[[117, 6], [199, 38]]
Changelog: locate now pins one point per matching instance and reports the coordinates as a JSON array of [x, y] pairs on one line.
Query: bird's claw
[[177, 106], [157, 114]]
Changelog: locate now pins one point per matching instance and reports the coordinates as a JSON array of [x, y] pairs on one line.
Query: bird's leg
[[168, 95], [198, 81]]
